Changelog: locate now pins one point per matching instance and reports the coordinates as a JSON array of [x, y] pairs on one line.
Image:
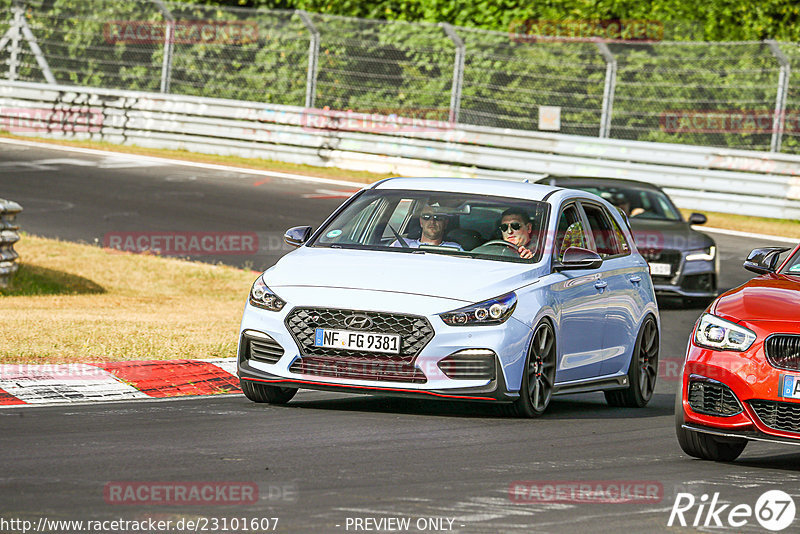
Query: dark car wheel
[[263, 393], [642, 371], [539, 375], [701, 445]]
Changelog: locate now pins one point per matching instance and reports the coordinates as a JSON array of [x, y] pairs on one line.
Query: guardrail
[[715, 179], [9, 234]]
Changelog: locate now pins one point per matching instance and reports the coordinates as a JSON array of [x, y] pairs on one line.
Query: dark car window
[[380, 219], [602, 230], [636, 202]]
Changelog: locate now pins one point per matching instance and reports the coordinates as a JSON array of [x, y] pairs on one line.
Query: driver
[[433, 227], [515, 224]]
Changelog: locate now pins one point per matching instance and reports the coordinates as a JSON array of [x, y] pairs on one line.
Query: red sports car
[[741, 377]]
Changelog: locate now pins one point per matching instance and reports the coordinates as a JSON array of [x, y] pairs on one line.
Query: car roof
[[577, 181], [480, 186]]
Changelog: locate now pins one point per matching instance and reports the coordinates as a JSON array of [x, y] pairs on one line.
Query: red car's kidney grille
[[384, 370], [783, 351], [783, 416]]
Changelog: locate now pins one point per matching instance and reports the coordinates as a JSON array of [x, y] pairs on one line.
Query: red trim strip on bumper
[[374, 388]]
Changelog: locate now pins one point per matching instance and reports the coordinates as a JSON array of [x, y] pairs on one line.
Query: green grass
[[81, 303]]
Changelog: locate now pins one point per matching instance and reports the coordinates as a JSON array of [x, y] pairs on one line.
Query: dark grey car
[[683, 262]]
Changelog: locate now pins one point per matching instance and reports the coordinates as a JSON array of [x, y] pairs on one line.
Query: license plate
[[364, 341], [790, 386], [660, 269]]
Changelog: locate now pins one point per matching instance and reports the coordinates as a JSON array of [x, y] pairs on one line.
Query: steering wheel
[[512, 246]]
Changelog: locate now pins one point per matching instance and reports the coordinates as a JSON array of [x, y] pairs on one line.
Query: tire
[[539, 374], [257, 392], [701, 445], [642, 371]]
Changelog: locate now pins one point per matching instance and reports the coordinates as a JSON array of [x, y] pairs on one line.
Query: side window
[[398, 218], [622, 242], [604, 234], [570, 231]]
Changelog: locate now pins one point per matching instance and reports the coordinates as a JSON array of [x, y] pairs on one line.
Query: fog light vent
[[710, 397]]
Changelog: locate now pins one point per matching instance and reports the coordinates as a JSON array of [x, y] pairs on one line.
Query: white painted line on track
[[167, 161], [749, 234]]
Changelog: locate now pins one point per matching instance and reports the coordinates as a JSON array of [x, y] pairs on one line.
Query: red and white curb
[[82, 382]]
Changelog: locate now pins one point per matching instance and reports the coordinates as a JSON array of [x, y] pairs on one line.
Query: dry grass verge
[[80, 303]]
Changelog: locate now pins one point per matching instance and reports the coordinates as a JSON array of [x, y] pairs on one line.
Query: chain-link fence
[[738, 95]]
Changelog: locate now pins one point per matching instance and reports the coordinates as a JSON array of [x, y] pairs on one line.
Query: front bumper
[[752, 381], [495, 390], [692, 279], [752, 435], [342, 371]]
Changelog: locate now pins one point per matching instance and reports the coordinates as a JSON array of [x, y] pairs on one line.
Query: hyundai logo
[[358, 321]]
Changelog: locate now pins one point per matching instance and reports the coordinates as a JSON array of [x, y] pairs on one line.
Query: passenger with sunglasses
[[433, 227], [516, 227]]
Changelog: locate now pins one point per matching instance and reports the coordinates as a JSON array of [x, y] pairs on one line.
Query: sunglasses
[[428, 217], [513, 225]]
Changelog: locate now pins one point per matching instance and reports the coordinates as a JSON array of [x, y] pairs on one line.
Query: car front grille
[[415, 332], [384, 370], [783, 351], [712, 398], [783, 416], [656, 255]]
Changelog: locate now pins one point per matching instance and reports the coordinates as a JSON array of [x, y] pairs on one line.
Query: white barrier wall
[[700, 178]]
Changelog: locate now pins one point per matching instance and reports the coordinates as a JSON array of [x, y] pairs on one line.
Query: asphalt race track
[[331, 462]]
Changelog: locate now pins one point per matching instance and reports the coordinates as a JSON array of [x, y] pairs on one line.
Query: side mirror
[[764, 260], [297, 236], [697, 218], [578, 258]]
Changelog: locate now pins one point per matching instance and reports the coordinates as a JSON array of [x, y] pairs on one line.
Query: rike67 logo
[[774, 510]]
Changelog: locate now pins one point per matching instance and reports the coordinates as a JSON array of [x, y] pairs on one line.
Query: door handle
[[601, 285], [635, 279]]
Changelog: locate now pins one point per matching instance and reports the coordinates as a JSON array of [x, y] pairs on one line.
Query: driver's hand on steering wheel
[[524, 253]]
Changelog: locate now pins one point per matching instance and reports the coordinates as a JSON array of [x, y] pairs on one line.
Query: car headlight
[[492, 311], [707, 254], [717, 333], [263, 297]]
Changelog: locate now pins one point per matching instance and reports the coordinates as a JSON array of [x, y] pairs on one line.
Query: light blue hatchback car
[[451, 288]]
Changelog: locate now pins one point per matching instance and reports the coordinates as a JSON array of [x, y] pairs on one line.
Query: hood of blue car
[[429, 274]]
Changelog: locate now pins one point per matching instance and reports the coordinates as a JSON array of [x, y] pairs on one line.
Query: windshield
[[438, 222], [637, 203], [793, 265]]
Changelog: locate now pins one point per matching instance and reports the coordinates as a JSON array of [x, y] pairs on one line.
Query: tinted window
[[570, 231], [387, 219], [602, 230]]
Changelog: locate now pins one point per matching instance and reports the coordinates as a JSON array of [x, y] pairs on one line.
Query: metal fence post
[[169, 41], [458, 71], [313, 57], [779, 118], [608, 89], [14, 35]]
